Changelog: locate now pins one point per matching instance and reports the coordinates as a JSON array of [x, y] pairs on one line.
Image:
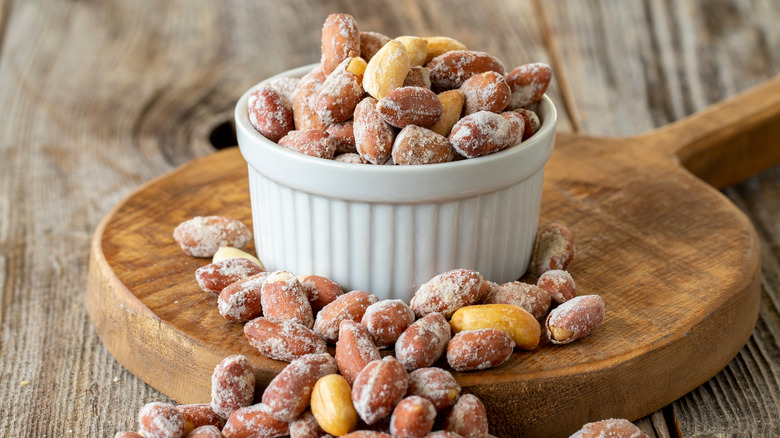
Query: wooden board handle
[[729, 141]]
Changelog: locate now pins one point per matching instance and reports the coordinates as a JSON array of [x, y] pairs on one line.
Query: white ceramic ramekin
[[388, 229]]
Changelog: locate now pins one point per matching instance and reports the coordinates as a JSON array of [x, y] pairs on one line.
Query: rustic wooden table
[[99, 97]]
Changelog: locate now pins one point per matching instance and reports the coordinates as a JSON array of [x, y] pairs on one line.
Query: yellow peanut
[[416, 48], [357, 66], [451, 104], [331, 404], [440, 44], [386, 70], [515, 321], [228, 252]]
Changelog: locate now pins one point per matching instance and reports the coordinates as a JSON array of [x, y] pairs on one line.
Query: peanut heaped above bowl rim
[[389, 183], [386, 229]]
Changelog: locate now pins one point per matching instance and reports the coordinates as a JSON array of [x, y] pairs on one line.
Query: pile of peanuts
[[408, 100], [376, 100], [358, 393]]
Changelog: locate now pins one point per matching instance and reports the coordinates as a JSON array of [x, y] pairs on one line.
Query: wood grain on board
[[99, 97]]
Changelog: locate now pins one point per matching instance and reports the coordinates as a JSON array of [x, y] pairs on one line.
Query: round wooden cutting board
[[676, 263]]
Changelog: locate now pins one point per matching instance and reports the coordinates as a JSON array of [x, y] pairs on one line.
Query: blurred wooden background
[[97, 97]]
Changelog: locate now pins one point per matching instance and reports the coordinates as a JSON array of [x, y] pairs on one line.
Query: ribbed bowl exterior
[[391, 249], [388, 229]]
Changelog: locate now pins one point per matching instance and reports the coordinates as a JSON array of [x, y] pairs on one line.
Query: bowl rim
[[392, 183]]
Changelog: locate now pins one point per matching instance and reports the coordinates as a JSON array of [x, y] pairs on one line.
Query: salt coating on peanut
[[240, 301], [202, 236], [256, 421], [232, 385], [449, 291], [282, 339], [468, 417], [160, 420], [559, 284], [554, 248], [575, 318]]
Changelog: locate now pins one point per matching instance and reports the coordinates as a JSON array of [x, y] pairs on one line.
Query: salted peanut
[[479, 349], [350, 306], [452, 105], [367, 434], [232, 385], [575, 319], [216, 276], [410, 106], [342, 135], [228, 252], [515, 321], [340, 40], [378, 388], [435, 384], [283, 297], [199, 414], [286, 87], [385, 321], [418, 77], [373, 136], [282, 339], [554, 248], [270, 113], [339, 95], [439, 45], [417, 145], [486, 91], [320, 291], [516, 127], [161, 420], [313, 142], [533, 299], [306, 426], [451, 69], [528, 83], [331, 404], [386, 70], [354, 349], [412, 417], [240, 301], [205, 432], [202, 236], [351, 158], [468, 418], [424, 342], [559, 284], [370, 43], [416, 48], [613, 427], [255, 421], [289, 393], [304, 115], [128, 434], [532, 122], [315, 75], [480, 134], [449, 291]]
